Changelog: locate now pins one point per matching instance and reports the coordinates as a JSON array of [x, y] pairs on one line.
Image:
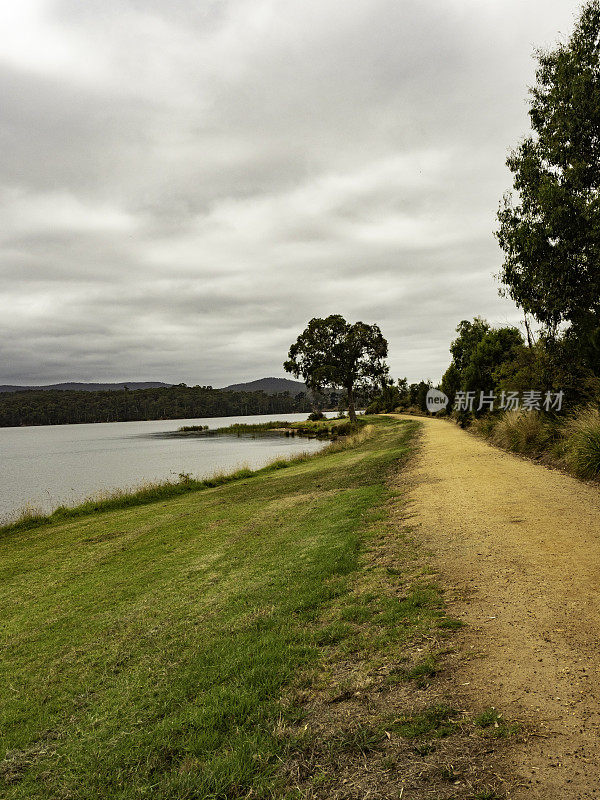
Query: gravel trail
[[518, 550]]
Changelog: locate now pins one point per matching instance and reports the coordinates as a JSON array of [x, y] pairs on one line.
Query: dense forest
[[175, 402]]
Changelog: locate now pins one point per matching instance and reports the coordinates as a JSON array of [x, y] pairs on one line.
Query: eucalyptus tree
[[550, 232], [333, 353]]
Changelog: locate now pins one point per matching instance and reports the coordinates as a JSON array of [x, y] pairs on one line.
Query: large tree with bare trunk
[[331, 353]]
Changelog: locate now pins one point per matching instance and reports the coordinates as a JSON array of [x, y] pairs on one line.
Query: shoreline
[[153, 492]]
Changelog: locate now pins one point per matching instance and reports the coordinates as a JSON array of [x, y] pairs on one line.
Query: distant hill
[[88, 387], [266, 385], [269, 386]]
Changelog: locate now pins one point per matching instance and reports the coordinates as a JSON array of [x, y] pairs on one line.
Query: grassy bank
[[177, 649], [141, 496], [153, 492], [571, 443]]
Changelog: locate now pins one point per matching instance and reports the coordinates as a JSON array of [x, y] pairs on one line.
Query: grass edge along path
[[150, 651], [383, 716]]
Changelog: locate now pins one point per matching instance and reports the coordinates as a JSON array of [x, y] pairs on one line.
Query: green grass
[[422, 671], [146, 644], [435, 721], [494, 724], [361, 739], [324, 429], [148, 493]]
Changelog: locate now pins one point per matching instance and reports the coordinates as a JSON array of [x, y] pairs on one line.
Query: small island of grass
[[320, 429]]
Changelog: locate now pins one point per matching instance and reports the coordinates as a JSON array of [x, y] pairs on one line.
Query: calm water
[[47, 466]]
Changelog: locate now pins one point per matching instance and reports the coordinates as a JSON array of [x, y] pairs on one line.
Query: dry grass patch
[[581, 443]]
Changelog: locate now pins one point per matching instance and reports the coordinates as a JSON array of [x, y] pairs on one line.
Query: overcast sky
[[183, 185]]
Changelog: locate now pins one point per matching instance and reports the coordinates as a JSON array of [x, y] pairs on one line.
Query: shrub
[[581, 443], [315, 416], [484, 426], [522, 432], [326, 428], [188, 428]]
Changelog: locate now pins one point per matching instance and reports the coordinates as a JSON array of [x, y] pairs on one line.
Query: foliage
[[529, 368], [400, 397], [498, 346], [572, 443], [327, 428], [479, 353], [331, 352], [393, 397], [581, 443], [551, 234], [495, 359], [451, 382], [488, 359], [235, 428], [192, 428], [528, 432], [470, 335], [417, 394], [176, 402], [320, 428]]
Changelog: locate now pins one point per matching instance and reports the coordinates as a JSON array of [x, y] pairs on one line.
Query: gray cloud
[[183, 185]]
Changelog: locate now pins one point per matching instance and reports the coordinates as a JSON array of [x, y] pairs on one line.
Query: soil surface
[[517, 547]]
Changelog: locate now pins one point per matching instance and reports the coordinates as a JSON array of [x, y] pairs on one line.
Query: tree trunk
[[527, 328], [351, 411]]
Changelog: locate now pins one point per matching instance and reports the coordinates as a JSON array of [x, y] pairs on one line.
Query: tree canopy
[[551, 233], [331, 352], [479, 352]]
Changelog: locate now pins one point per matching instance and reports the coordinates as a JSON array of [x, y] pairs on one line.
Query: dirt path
[[518, 547]]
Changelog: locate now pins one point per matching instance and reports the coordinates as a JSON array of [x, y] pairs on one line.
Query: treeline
[[538, 397], [175, 402], [400, 396], [495, 368]]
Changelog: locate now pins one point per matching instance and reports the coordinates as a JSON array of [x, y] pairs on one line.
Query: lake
[[42, 467]]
